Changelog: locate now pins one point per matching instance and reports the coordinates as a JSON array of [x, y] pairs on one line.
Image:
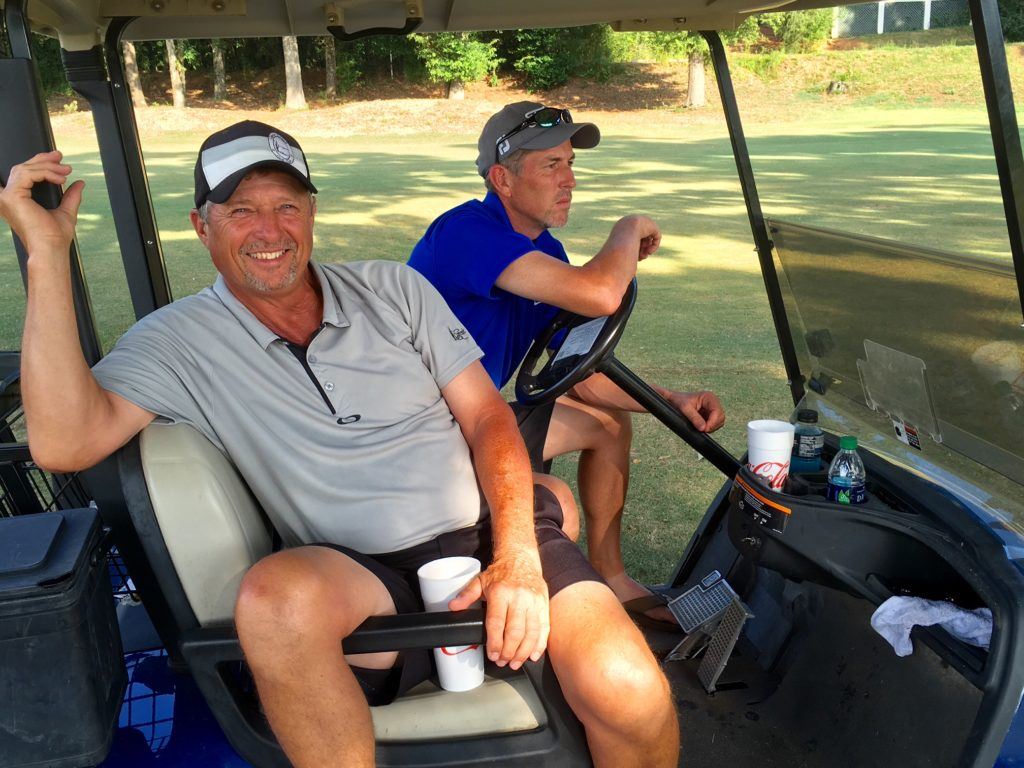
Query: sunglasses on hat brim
[[542, 117]]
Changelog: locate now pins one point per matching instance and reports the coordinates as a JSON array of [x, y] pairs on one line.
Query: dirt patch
[[640, 98], [641, 95]]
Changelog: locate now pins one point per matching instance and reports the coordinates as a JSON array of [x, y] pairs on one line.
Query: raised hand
[[643, 230], [42, 231]]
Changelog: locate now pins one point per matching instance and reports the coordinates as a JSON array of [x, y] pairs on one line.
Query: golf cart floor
[[846, 699]]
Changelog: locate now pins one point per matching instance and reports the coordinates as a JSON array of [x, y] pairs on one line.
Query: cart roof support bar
[[123, 169], [762, 242], [1002, 118], [29, 135]]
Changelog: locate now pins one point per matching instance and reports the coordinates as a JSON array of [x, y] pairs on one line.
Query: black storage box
[[62, 674]]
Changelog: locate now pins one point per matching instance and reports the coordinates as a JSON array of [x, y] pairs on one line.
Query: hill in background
[[934, 68]]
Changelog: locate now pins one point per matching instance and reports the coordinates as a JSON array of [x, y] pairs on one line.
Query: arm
[[594, 289], [702, 408], [60, 395], [513, 585]]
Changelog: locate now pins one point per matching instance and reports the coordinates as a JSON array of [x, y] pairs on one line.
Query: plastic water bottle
[[808, 443], [846, 474]]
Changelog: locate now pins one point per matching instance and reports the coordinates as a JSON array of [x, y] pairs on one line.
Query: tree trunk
[[294, 96], [177, 74], [456, 89], [220, 83], [695, 89], [131, 73], [330, 68]]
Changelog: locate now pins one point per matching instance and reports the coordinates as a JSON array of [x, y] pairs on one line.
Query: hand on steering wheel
[[586, 346]]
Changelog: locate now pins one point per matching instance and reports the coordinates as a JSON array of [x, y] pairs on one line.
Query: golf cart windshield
[[924, 345]]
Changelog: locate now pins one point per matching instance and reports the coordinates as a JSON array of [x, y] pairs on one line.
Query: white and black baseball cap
[[228, 155], [530, 125]]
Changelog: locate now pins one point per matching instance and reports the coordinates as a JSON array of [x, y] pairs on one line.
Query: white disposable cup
[[769, 448], [459, 668]]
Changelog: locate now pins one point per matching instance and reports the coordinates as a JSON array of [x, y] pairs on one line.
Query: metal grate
[[703, 603], [899, 16], [26, 488], [721, 645]]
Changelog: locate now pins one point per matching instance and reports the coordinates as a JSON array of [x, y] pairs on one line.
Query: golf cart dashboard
[[901, 541]]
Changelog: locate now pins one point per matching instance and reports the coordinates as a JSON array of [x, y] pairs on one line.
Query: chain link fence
[[899, 16]]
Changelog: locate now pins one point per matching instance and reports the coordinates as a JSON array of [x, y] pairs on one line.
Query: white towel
[[898, 615]]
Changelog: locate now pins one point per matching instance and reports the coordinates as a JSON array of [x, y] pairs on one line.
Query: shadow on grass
[[702, 320]]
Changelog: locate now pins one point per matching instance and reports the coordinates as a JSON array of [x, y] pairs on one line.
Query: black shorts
[[533, 422], [562, 561]]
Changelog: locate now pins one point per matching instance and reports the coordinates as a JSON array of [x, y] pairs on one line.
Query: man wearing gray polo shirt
[[355, 406]]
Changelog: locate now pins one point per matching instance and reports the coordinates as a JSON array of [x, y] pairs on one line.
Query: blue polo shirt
[[462, 253]]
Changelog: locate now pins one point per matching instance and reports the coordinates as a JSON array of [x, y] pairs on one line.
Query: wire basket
[[26, 488]]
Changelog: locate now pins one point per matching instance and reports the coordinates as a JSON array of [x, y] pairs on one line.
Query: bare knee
[[620, 425], [625, 691], [563, 493], [276, 593], [612, 427], [285, 597]]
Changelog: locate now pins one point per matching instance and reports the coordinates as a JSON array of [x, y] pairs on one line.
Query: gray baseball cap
[[503, 123]]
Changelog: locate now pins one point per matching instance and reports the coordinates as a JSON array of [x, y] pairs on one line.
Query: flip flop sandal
[[638, 606]]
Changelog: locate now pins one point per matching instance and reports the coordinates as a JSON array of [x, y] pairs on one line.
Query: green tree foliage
[[800, 31], [1012, 14], [667, 46], [46, 51], [457, 57], [549, 57], [543, 58], [388, 56], [747, 34]]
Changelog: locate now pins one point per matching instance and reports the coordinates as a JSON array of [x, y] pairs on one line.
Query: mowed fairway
[[702, 321]]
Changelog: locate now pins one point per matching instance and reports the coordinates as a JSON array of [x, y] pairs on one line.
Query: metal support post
[[29, 135], [123, 168], [1002, 118], [762, 242]]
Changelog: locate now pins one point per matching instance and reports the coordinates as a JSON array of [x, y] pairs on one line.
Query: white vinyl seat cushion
[[214, 531]]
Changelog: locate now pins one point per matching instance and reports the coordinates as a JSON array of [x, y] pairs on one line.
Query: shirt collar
[[260, 333], [333, 314], [497, 208]]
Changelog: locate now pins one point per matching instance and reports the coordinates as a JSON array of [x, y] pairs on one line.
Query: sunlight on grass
[[702, 320], [177, 235]]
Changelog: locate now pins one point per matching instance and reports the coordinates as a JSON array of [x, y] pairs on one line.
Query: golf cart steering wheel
[[579, 346], [584, 345]]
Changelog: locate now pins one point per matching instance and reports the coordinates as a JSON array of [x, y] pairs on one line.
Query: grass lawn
[[920, 175]]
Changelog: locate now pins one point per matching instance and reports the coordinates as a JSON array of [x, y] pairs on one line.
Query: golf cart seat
[[189, 531]]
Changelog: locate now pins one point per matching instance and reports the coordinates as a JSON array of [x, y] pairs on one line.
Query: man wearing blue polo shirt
[[499, 268]]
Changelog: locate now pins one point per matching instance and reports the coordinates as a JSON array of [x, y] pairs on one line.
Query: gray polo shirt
[[372, 458]]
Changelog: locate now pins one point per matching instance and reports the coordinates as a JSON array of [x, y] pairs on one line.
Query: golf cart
[[930, 380]]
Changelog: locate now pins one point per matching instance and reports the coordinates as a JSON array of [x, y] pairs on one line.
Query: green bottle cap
[[847, 443]]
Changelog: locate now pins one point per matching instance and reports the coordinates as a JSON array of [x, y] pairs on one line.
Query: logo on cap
[[503, 147], [281, 148]]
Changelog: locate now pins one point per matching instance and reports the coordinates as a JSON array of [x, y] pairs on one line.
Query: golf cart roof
[[76, 22]]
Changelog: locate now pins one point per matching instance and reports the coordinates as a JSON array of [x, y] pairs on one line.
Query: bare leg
[[611, 680], [294, 608], [603, 438]]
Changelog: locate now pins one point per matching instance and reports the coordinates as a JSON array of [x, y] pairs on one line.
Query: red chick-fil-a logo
[[773, 471], [456, 650]]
